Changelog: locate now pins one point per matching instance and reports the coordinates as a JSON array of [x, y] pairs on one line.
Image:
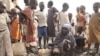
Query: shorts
[[42, 31]]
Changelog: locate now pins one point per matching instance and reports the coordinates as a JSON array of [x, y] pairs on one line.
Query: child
[[15, 25], [80, 39]]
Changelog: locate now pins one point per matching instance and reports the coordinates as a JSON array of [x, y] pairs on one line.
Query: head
[[2, 7], [26, 2], [65, 7], [66, 28], [82, 9], [50, 4], [96, 7], [80, 29], [14, 11], [33, 4], [78, 9], [70, 16], [41, 5]]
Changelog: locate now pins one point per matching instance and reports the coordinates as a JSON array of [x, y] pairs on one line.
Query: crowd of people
[[31, 26]]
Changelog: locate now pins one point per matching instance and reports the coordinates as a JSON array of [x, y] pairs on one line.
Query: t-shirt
[[62, 17], [42, 19]]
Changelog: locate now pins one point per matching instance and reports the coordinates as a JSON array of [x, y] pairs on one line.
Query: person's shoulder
[[54, 8], [37, 12], [93, 15]]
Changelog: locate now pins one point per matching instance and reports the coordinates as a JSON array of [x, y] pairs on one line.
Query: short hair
[[80, 28], [65, 5], [82, 6], [2, 5], [32, 1], [50, 3], [96, 3], [27, 2], [41, 3]]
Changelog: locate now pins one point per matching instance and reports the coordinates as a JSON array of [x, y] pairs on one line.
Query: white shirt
[[62, 17], [42, 19]]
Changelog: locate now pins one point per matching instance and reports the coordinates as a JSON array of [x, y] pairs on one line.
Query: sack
[[44, 52], [19, 48]]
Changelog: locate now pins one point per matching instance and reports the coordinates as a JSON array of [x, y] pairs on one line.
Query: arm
[[22, 18], [57, 40], [55, 10], [73, 42], [55, 14]]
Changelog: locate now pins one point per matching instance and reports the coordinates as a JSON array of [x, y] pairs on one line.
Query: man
[[51, 20], [5, 41], [42, 22], [94, 27], [29, 25], [62, 17]]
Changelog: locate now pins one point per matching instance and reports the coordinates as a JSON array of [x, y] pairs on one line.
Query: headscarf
[[68, 26]]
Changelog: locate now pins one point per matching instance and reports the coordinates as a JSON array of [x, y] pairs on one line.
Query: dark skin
[[79, 29], [65, 7], [14, 14], [2, 8], [64, 31], [96, 7], [70, 16], [82, 9], [23, 19], [41, 5], [33, 5], [50, 4], [77, 9]]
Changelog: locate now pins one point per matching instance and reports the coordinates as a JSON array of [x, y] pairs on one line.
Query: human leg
[[7, 43], [2, 49]]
